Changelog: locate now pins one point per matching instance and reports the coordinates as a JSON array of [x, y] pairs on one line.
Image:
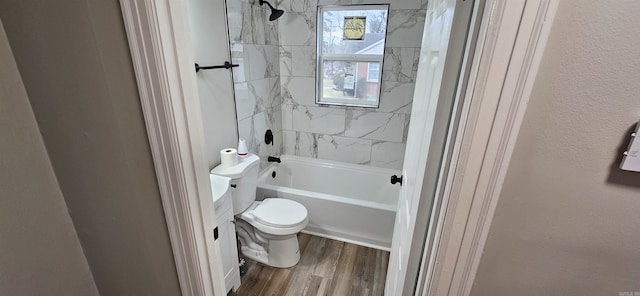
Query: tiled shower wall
[[375, 137], [275, 85], [254, 46]]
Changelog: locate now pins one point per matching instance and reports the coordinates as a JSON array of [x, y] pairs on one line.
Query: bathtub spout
[[274, 159]]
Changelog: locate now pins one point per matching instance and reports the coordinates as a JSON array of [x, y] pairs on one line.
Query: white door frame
[[508, 52], [159, 39], [510, 45]]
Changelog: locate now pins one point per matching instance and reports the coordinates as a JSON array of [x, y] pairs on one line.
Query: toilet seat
[[280, 212], [277, 216]]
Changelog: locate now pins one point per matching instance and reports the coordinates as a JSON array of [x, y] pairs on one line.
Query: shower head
[[275, 13]]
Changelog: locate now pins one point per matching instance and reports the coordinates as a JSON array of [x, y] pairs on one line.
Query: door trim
[[159, 41], [509, 49]]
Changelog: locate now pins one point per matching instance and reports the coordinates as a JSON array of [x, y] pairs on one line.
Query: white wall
[[40, 253], [568, 220], [215, 87]]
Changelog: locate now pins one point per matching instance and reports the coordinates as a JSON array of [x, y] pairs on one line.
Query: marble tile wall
[[375, 137], [254, 44]]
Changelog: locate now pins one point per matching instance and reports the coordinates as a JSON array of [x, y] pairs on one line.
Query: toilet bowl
[[267, 229]]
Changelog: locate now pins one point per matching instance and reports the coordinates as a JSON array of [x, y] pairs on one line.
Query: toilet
[[267, 229]]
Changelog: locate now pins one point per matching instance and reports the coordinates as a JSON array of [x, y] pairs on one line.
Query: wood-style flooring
[[326, 267]]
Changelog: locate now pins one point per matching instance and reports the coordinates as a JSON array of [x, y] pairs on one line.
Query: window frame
[[369, 79], [355, 58]]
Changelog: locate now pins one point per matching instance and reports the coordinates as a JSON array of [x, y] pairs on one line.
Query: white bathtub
[[347, 202]]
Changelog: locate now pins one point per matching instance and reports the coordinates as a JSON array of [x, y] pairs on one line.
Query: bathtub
[[346, 202]]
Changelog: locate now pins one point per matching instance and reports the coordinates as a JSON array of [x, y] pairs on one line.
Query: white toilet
[[267, 229]]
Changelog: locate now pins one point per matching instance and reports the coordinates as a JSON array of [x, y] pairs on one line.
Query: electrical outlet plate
[[631, 158]]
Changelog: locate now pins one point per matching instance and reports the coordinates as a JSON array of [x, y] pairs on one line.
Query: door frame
[[159, 40], [509, 48]]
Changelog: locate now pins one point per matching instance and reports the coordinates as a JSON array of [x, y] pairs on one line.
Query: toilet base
[[283, 252]]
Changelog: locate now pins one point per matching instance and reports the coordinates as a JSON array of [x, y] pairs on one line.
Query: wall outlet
[[631, 158]]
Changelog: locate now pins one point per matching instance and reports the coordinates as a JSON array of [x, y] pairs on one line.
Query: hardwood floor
[[327, 267]]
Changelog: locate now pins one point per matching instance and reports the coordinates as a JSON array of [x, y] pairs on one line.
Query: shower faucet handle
[[395, 179]]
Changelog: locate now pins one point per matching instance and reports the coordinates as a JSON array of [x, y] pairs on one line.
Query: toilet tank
[[244, 179]]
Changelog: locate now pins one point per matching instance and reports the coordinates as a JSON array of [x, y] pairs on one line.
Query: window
[[373, 72], [351, 41]]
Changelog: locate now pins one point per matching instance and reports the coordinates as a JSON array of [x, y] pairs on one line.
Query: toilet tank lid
[[236, 171]]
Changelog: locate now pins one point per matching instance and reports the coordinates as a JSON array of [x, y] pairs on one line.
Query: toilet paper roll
[[228, 157]]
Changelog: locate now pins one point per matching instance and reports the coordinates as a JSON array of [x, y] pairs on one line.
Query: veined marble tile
[[375, 125], [275, 91], [297, 28], [375, 2], [257, 96], [286, 60], [239, 52], [245, 130], [406, 4], [274, 118], [234, 19], [298, 90], [396, 97], [407, 120], [398, 64], [287, 117], [262, 61], [298, 5], [260, 126], [282, 4], [287, 120], [333, 2], [405, 28], [235, 47], [260, 90], [300, 144], [271, 55], [263, 31], [288, 142], [416, 62], [344, 149], [271, 31], [259, 21], [245, 102], [256, 62], [393, 5], [278, 147], [246, 30], [387, 154], [240, 73], [318, 119], [303, 61], [252, 129]]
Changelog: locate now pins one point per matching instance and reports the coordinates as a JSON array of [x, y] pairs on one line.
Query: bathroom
[[106, 178], [335, 158]]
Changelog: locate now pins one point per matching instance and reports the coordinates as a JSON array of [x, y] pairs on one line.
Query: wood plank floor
[[326, 267]]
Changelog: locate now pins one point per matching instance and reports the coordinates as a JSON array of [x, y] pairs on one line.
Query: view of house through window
[[351, 42]]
